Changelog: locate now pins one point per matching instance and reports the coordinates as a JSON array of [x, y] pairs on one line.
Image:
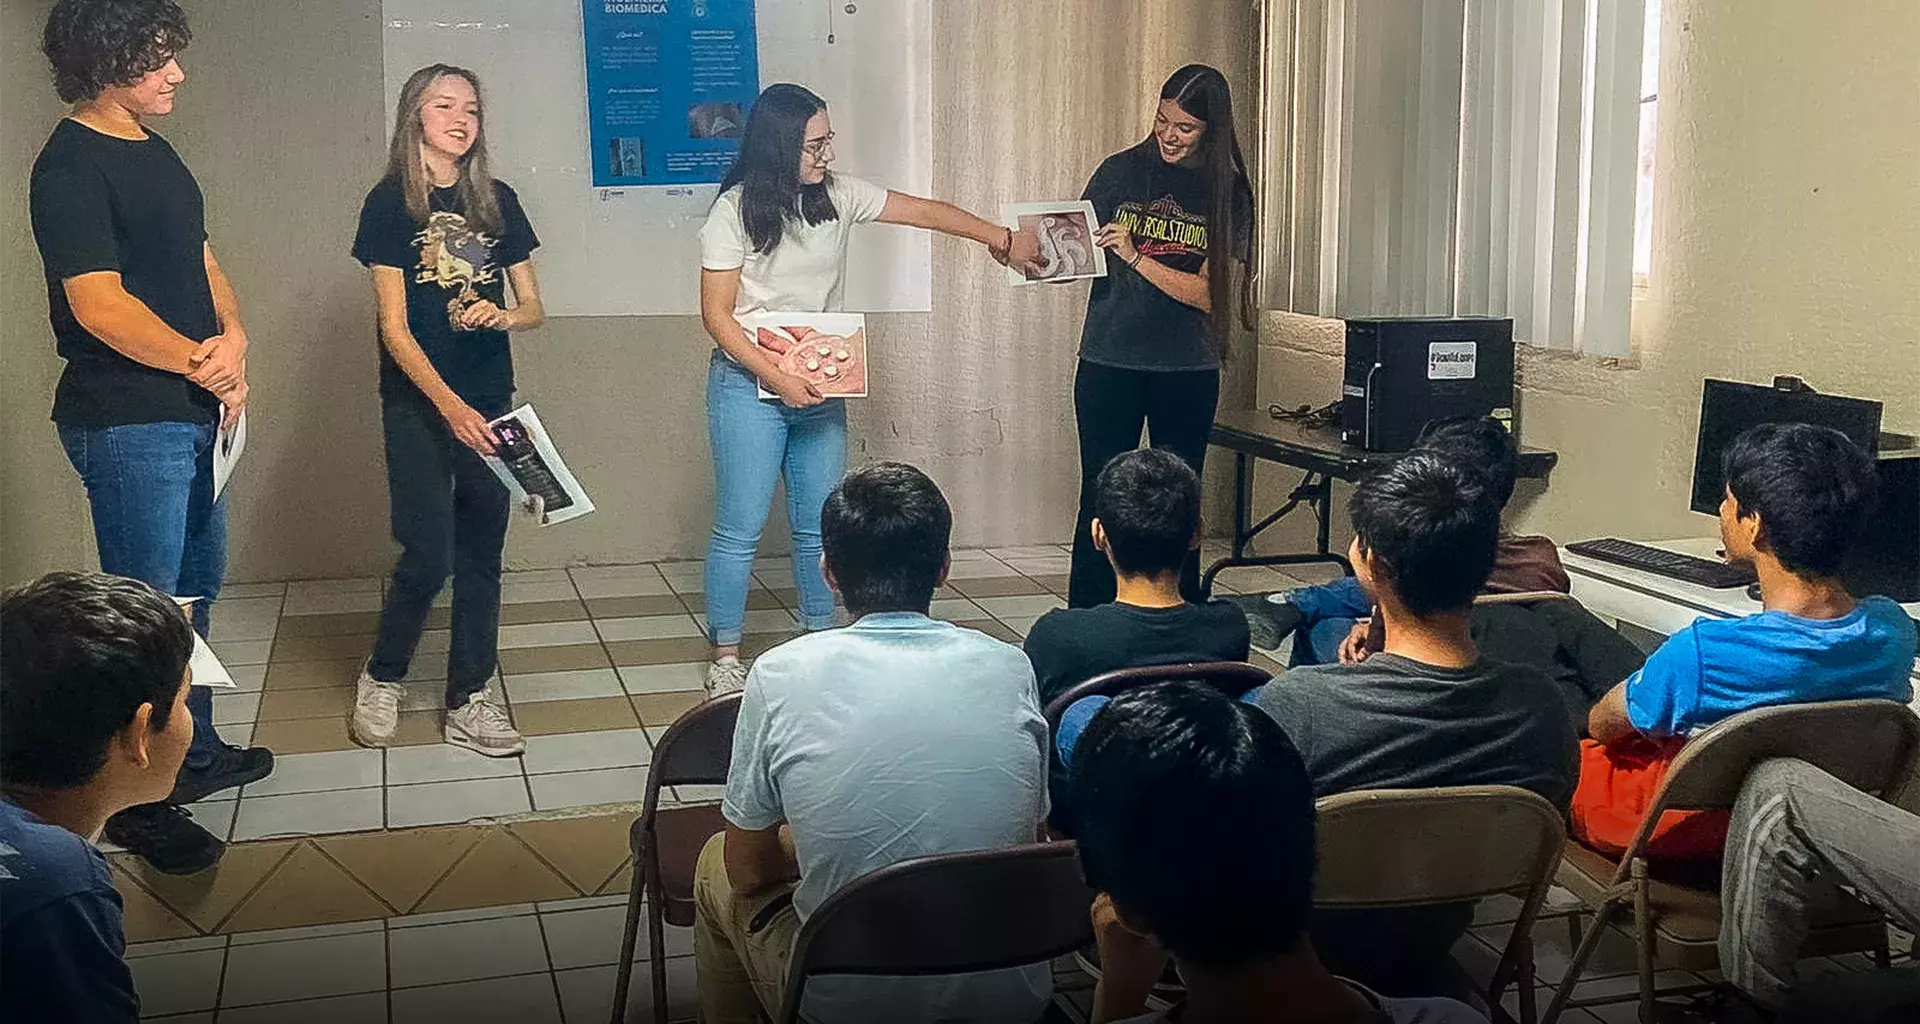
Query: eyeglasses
[[818, 147]]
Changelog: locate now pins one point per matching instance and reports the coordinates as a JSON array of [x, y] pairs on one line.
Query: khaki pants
[[743, 974]]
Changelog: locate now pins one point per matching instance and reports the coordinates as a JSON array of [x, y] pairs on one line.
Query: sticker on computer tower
[[1451, 360]]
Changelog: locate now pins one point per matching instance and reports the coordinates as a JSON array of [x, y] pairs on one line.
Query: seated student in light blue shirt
[[896, 737], [1796, 495]]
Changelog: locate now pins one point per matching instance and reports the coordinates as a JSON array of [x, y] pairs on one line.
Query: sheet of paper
[[1065, 230], [226, 453], [207, 670], [529, 464], [827, 350]]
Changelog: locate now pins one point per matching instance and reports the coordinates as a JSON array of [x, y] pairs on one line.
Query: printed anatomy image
[[1068, 251], [836, 365]]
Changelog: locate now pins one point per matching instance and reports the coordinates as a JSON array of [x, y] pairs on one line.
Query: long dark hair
[[1202, 91], [475, 185], [767, 168]]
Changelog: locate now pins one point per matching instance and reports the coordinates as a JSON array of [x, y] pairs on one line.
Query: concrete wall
[[1786, 240], [282, 118]]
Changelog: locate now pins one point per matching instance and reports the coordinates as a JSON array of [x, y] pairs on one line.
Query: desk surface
[[1257, 433]]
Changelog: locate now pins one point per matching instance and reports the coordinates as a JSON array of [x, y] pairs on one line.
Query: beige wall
[[282, 119], [1786, 240]]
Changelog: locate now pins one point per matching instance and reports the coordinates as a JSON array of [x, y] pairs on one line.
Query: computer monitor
[[1729, 407]]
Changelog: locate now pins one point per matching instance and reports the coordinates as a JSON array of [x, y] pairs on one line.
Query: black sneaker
[[1268, 622], [166, 837], [231, 767]]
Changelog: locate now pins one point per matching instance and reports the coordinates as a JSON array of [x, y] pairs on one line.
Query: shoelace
[[383, 698], [493, 714]]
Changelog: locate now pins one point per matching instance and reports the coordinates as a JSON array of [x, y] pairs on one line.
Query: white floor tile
[[197, 944], [776, 577], [527, 592], [1009, 555], [277, 972], [317, 931], [979, 569], [301, 602], [759, 620], [463, 952], [972, 555], [203, 1017], [1054, 565], [461, 916], [1254, 579], [1004, 608], [235, 707], [581, 903], [580, 685], [957, 609], [587, 789], [355, 585], [216, 816], [528, 999], [444, 762], [253, 618], [238, 735], [178, 982], [308, 814], [241, 652], [591, 937], [547, 634], [648, 627], [643, 581], [247, 591], [690, 675], [587, 992], [571, 752], [431, 654], [524, 576], [322, 772], [246, 678], [1021, 625], [444, 803], [366, 1008]]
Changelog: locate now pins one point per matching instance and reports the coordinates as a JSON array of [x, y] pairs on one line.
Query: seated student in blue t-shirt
[[1796, 496], [93, 719]]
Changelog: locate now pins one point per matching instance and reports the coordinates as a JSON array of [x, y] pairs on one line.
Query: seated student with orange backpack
[[1796, 496]]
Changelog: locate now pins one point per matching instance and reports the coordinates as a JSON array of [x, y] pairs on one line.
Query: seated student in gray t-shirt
[[896, 737]]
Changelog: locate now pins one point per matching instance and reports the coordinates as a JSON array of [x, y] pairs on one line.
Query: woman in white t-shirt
[[777, 240]]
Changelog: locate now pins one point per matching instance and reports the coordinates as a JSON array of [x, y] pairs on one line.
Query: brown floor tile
[[206, 898], [355, 646], [621, 882], [307, 889], [542, 611], [993, 628], [754, 645], [634, 607], [316, 702], [945, 593], [520, 661], [498, 870], [339, 624], [304, 735], [998, 586], [1055, 584], [548, 717], [401, 867], [145, 919], [670, 651], [439, 617], [301, 675], [661, 709], [586, 851], [418, 728], [769, 600]]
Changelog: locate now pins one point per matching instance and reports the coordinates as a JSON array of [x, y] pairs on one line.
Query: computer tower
[[1405, 372]]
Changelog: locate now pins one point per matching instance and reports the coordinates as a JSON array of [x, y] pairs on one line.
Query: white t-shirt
[[804, 273]]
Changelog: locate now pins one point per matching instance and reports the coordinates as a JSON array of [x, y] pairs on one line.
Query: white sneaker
[[725, 676], [483, 727], [376, 711]]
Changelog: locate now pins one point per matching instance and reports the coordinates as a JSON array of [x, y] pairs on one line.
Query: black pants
[[449, 514], [1109, 406]]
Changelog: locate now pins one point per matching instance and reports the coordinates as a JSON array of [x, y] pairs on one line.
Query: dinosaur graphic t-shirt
[[448, 264], [1130, 323]]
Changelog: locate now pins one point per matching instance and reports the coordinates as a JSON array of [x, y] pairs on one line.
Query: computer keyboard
[[1705, 572]]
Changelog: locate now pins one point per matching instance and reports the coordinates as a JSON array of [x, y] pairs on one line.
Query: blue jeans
[[1327, 614], [150, 486], [755, 442]]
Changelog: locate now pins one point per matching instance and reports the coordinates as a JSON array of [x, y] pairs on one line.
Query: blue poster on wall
[[669, 84]]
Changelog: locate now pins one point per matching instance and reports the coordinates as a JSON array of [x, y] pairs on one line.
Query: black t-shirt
[[62, 945], [448, 265], [1072, 645], [103, 203], [1132, 324]]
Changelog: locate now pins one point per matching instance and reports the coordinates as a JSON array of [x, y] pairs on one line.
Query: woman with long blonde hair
[[442, 238]]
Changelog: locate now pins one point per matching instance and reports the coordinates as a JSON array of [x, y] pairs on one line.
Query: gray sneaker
[[376, 711], [1270, 620], [484, 727], [726, 675]]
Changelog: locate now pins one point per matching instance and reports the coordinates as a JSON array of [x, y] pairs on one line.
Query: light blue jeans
[[755, 443]]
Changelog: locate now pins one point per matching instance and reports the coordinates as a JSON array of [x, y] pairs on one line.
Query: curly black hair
[[96, 44]]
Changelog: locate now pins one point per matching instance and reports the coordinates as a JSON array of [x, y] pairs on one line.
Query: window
[[1649, 128]]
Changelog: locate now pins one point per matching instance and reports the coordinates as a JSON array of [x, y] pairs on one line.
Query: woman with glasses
[[776, 239]]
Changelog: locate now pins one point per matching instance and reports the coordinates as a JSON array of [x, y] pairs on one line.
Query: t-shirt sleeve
[[385, 235], [72, 219], [74, 968], [857, 199], [1044, 649], [1663, 696], [752, 800], [723, 238], [517, 240]]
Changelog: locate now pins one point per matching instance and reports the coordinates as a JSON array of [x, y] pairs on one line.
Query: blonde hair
[[475, 185]]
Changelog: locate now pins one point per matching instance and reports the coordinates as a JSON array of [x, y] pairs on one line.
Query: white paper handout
[[207, 670], [1067, 249], [529, 464], [227, 446], [827, 350]]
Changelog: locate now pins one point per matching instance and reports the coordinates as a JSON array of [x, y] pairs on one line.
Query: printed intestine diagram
[[1064, 247]]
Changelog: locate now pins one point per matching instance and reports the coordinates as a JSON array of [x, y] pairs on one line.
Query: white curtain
[[1455, 157]]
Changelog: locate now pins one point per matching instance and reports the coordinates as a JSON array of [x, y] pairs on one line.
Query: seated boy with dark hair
[[1164, 765], [93, 720], [1796, 496]]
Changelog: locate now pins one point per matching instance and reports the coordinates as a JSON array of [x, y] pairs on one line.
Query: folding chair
[[1232, 677], [1871, 745], [1423, 847], [696, 750], [949, 914]]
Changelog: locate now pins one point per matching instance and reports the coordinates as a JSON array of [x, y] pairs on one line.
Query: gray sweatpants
[[1795, 831]]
